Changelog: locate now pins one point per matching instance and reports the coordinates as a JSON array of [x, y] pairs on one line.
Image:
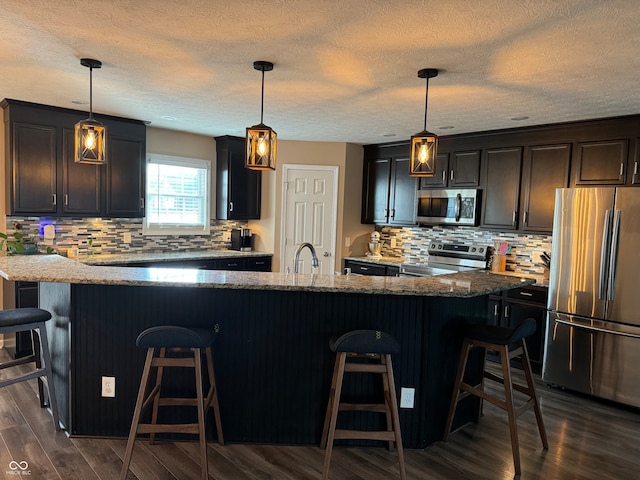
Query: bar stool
[[509, 342], [179, 341], [375, 348], [34, 319]]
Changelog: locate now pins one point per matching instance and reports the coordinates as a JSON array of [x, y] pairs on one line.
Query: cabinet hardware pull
[[451, 175], [526, 294], [621, 168], [393, 213], [513, 218], [524, 217], [142, 203], [55, 199], [635, 168], [506, 311], [444, 177], [364, 268], [495, 310], [66, 199], [231, 206], [386, 212]]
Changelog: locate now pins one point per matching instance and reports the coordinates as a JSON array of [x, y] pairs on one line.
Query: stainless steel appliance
[[593, 323], [241, 239], [448, 206], [447, 258]]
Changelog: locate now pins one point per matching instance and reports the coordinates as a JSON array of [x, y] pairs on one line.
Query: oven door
[[448, 206]]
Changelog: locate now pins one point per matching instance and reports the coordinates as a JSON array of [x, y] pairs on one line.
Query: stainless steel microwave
[[448, 206]]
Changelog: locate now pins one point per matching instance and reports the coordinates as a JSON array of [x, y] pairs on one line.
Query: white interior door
[[310, 204]]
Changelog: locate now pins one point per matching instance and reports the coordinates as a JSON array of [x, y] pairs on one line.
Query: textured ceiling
[[345, 70]]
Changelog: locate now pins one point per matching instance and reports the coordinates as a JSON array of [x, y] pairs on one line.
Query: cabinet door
[[501, 192], [402, 195], [125, 177], [441, 173], [464, 170], [635, 169], [601, 163], [516, 312], [363, 268], [375, 191], [34, 169], [80, 182], [545, 169]]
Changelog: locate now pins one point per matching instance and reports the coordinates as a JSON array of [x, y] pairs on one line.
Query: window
[[177, 200]]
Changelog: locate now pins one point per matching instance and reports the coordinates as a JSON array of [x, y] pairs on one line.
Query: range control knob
[[481, 250], [433, 245], [473, 249]]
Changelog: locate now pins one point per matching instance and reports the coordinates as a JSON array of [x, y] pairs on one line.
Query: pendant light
[[91, 135], [261, 139], [424, 145]]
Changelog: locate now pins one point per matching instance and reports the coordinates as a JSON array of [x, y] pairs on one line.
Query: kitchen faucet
[[314, 258]]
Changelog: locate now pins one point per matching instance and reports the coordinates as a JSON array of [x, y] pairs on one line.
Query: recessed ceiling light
[[169, 117], [147, 122], [446, 127], [520, 118], [80, 102], [389, 135]]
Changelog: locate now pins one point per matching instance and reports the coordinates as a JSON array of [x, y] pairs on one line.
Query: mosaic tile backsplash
[[413, 243], [107, 235]]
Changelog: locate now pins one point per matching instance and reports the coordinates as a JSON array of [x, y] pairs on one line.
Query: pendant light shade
[[424, 145], [261, 140], [90, 135]]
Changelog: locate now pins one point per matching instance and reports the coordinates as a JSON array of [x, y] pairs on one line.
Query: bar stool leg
[[391, 392], [508, 392], [156, 398], [200, 406], [387, 400], [462, 365], [212, 396], [136, 414], [332, 410], [44, 344], [526, 366]]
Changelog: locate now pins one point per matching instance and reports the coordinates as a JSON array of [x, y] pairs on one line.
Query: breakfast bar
[[272, 360]]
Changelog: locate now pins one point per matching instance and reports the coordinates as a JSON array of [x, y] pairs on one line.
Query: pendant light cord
[[426, 98], [91, 93], [262, 99]]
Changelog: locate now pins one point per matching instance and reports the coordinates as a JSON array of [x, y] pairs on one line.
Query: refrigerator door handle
[[613, 259], [595, 328], [602, 284]]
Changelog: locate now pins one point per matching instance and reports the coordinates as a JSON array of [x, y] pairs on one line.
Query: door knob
[[327, 254]]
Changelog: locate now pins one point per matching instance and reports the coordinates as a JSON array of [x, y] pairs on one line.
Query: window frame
[[174, 228]]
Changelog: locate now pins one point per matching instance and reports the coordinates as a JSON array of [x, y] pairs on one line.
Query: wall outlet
[[126, 237], [109, 387], [406, 397], [392, 242], [347, 241]]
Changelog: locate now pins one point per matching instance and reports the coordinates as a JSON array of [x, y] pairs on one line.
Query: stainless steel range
[[448, 258]]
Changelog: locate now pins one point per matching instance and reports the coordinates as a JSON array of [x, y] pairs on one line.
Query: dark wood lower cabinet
[[516, 305], [256, 264], [371, 268]]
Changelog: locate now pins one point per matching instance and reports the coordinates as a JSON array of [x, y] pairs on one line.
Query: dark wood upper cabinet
[[388, 191], [455, 170], [238, 189], [601, 162], [545, 169], [635, 169], [43, 178], [501, 187]]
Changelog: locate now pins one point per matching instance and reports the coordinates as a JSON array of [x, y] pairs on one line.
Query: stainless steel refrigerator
[[593, 323]]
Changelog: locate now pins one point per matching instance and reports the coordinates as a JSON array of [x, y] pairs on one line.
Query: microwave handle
[[458, 207]]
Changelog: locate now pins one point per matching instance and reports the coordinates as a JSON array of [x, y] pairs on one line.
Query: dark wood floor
[[588, 440]]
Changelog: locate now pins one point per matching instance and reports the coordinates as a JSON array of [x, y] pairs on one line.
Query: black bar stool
[[509, 342], [179, 341], [34, 319], [375, 348]]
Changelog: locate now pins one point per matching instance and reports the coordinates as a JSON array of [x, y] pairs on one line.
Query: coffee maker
[[241, 239]]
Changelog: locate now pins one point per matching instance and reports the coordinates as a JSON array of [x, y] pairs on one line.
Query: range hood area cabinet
[[238, 189], [388, 191], [43, 178]]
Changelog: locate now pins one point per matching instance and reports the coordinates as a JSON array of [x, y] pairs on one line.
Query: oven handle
[[458, 207]]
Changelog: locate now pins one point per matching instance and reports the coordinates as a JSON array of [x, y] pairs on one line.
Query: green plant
[[21, 238]]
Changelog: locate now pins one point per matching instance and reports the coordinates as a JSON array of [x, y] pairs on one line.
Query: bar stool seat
[[509, 343], [376, 348], [34, 319], [185, 346]]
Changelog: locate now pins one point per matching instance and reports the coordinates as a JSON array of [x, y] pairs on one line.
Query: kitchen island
[[272, 360]]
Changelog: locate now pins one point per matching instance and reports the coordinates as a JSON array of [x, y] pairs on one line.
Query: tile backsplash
[[413, 242], [108, 235]]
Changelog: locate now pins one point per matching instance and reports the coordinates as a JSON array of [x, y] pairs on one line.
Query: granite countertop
[[124, 258], [54, 268]]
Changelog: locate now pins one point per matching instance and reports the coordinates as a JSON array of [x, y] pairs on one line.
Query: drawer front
[[529, 294], [230, 264], [258, 264], [366, 269]]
